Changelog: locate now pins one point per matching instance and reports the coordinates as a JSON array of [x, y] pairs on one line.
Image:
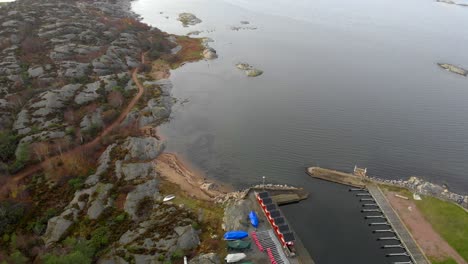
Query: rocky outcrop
[[143, 149], [92, 120], [249, 70], [188, 19], [188, 237], [210, 54], [132, 171], [56, 229], [421, 186], [147, 190], [104, 163], [100, 201], [210, 258]]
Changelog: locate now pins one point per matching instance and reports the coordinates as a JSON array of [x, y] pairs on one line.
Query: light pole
[[263, 177]]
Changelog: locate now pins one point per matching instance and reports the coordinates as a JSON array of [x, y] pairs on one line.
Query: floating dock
[[372, 194]]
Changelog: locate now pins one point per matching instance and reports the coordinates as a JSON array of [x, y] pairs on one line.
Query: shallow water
[[345, 83]]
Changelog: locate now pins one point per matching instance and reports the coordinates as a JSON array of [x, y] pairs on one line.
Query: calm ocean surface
[[344, 83]]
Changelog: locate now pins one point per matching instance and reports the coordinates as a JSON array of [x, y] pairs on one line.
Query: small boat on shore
[[231, 258], [168, 198], [235, 235]]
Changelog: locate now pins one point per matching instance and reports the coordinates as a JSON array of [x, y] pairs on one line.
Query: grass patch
[[192, 49], [445, 261], [447, 219]]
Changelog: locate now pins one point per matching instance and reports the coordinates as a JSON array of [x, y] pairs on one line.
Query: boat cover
[[253, 219], [231, 258], [239, 244], [234, 235]]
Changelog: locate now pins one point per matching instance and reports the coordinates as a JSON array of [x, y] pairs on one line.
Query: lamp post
[[263, 177]]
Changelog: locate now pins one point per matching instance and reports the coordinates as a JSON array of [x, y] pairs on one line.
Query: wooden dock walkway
[[407, 240]]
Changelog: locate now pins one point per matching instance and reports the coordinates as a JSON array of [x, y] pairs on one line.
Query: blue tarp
[[233, 235], [253, 219]]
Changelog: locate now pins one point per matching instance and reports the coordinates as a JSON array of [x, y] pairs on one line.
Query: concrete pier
[[406, 239], [337, 177], [359, 182]]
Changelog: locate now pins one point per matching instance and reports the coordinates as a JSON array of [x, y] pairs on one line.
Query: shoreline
[[413, 183], [174, 169]]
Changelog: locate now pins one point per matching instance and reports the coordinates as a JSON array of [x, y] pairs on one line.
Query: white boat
[[231, 258], [168, 198]]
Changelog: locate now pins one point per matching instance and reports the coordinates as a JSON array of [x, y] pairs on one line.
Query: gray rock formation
[[56, 229], [210, 258], [210, 54], [101, 200], [145, 190], [88, 94], [143, 149], [35, 71], [132, 171], [249, 70], [93, 119], [104, 161], [188, 237]]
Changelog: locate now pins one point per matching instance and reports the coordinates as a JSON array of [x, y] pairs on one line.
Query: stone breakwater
[[421, 186], [242, 194]]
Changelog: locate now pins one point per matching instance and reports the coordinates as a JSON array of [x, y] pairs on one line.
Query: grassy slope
[[446, 261], [447, 219]]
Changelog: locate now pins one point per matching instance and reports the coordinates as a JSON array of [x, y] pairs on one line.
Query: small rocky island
[[249, 70], [188, 19], [453, 68]]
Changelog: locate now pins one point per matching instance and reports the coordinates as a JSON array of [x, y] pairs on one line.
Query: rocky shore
[[188, 19], [95, 174], [421, 186], [249, 70]]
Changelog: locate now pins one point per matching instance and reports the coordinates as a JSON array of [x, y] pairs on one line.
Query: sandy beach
[[172, 168]]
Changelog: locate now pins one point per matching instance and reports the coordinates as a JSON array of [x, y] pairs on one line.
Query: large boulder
[[145, 190], [93, 119], [88, 94], [188, 237], [210, 258], [101, 200], [35, 71], [56, 229], [104, 161], [210, 54]]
